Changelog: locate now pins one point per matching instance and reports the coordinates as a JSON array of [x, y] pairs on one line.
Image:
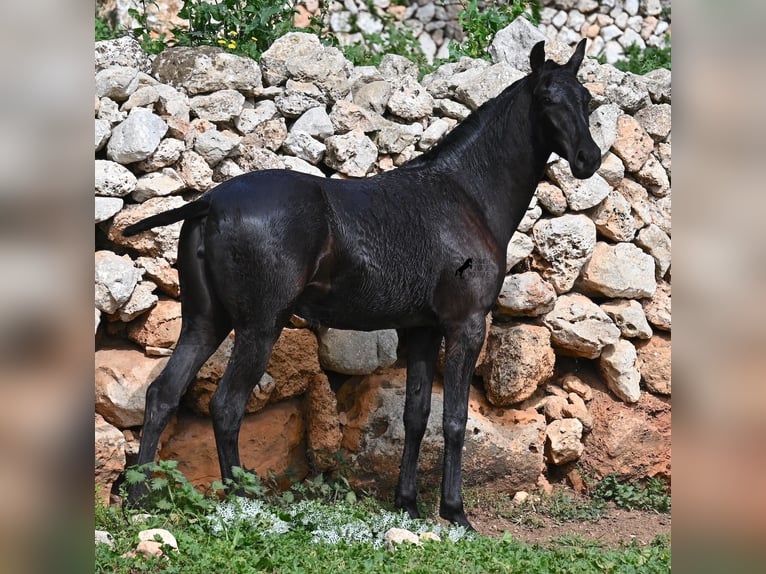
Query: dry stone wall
[[588, 284]]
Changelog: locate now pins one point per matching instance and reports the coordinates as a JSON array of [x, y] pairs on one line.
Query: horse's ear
[[537, 56], [576, 59]]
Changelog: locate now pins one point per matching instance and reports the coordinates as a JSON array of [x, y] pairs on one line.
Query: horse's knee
[[454, 429]]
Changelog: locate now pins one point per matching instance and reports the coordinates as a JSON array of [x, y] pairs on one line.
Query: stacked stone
[[611, 25], [588, 269]]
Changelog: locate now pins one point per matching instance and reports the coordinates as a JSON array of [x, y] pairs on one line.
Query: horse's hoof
[[410, 507], [456, 517]]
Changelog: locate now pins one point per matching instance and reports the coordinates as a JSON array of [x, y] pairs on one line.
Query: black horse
[[366, 254]]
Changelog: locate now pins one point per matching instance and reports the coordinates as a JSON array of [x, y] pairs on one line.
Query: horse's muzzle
[[586, 161]]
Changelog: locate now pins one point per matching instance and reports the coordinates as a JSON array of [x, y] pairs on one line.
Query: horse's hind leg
[[204, 326], [249, 358], [422, 351]]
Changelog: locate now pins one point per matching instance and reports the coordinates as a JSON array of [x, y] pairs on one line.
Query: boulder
[[562, 441], [519, 248], [109, 457], [513, 44], [473, 91], [122, 377], [272, 442], [633, 145], [654, 363], [220, 106], [524, 295], [579, 327], [106, 207], [353, 153], [618, 367], [137, 137], [657, 308], [357, 352], [160, 241], [613, 218], [519, 360], [124, 51], [322, 424], [629, 317], [160, 327], [113, 179], [622, 270], [293, 44], [115, 277], [409, 100], [502, 445], [580, 193], [564, 244], [206, 69]]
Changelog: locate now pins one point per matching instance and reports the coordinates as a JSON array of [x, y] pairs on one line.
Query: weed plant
[[322, 526]]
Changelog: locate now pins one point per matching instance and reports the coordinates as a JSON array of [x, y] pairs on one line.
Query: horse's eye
[[546, 100]]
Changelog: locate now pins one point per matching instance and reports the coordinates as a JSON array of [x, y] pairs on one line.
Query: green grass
[[651, 496], [322, 526], [640, 62]]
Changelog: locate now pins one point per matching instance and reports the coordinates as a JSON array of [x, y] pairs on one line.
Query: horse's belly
[[360, 311]]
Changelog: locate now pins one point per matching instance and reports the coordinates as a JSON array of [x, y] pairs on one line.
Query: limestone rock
[[618, 367], [161, 273], [579, 327], [122, 377], [576, 409], [633, 145], [220, 106], [657, 244], [564, 244], [551, 198], [353, 153], [116, 278], [409, 100], [272, 441], [629, 317], [314, 122], [513, 44], [519, 359], [654, 177], [612, 169], [485, 85], [215, 146], [291, 45], [501, 444], [613, 218], [373, 96], [562, 441], [140, 300], [323, 427], [113, 179], [124, 51], [303, 146], [655, 120], [435, 131], [252, 115], [195, 171], [524, 295], [519, 248], [102, 131], [299, 97], [117, 82], [573, 383], [327, 68], [109, 456], [160, 327], [106, 207], [580, 193], [206, 69], [347, 116], [166, 154], [620, 270], [657, 308], [137, 137], [603, 126], [654, 363], [396, 536], [357, 352], [158, 184]]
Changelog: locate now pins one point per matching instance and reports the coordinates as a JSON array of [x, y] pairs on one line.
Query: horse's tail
[[191, 210]]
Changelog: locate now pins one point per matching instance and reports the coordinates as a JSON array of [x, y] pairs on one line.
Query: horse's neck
[[502, 168]]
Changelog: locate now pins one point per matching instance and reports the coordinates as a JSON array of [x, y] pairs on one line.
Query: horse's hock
[[588, 289]]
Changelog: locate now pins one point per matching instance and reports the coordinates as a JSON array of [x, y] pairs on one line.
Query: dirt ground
[[614, 528]]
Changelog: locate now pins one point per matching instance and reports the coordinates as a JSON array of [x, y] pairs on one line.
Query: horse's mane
[[457, 142]]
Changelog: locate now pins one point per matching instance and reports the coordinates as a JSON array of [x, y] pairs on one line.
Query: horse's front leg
[[463, 343], [422, 352]]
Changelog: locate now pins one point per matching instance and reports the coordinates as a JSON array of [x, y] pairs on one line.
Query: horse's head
[[562, 104]]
